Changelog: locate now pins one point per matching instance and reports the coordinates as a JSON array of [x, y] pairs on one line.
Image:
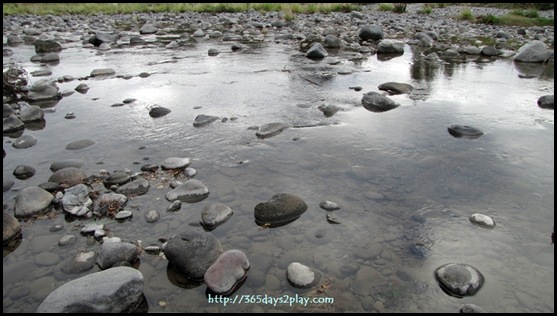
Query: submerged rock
[[376, 102], [464, 131], [270, 129], [458, 279], [227, 273], [280, 210], [192, 253], [302, 276]]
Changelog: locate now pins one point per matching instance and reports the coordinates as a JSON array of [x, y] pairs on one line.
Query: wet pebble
[[67, 240], [215, 214], [123, 215], [24, 141], [152, 216], [23, 172], [302, 276], [464, 131], [482, 220], [329, 206], [175, 206]]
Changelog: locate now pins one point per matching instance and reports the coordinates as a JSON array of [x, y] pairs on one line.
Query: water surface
[[406, 187]]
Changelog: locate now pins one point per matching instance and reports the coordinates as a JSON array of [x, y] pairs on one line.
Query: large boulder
[[533, 52], [115, 290]]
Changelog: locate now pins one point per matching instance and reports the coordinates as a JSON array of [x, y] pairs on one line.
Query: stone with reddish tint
[[227, 273]]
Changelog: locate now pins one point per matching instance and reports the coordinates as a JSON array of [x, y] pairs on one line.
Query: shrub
[[385, 7], [426, 9], [399, 7], [489, 19], [466, 14]]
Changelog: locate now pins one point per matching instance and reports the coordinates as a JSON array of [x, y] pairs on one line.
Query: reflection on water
[[406, 187]]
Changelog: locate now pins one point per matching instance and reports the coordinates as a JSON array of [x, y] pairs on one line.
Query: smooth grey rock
[[80, 262], [11, 124], [458, 279], [10, 227], [202, 120], [102, 72], [65, 163], [376, 102], [190, 191], [118, 178], [370, 32], [317, 51], [546, 102], [80, 144], [113, 252], [482, 220], [464, 131], [533, 52], [302, 276], [270, 129], [32, 200], [47, 46], [158, 111], [215, 214], [175, 163], [471, 308], [281, 209], [31, 113], [114, 290], [138, 186], [193, 252], [395, 87], [329, 206], [68, 175], [390, 47], [23, 172]]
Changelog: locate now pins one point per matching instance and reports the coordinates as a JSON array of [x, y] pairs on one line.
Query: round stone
[[301, 276], [458, 279]]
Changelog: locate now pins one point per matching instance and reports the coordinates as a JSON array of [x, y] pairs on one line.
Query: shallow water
[[406, 187]]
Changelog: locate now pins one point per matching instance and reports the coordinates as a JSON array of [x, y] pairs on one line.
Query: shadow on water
[[406, 187]]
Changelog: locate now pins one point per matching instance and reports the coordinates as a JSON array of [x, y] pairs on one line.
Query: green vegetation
[[427, 8], [525, 6], [466, 14], [385, 7], [516, 17], [489, 19], [399, 7], [114, 8], [530, 13], [511, 19]]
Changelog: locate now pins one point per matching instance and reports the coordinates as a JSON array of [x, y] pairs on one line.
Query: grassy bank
[[525, 14], [112, 8]]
